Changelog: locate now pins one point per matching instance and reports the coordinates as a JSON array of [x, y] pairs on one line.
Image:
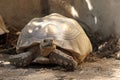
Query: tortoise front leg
[[22, 59], [76, 56], [62, 59]]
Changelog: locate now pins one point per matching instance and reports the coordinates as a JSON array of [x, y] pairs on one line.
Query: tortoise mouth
[[48, 45]]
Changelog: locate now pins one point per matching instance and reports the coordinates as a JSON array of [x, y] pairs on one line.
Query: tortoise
[[53, 39]]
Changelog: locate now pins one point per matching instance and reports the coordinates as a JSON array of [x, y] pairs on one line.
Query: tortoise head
[[47, 46]]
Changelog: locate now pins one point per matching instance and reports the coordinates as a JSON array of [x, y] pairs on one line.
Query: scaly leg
[[22, 59], [62, 59]]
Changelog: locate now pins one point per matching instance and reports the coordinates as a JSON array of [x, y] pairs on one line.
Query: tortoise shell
[[66, 32]]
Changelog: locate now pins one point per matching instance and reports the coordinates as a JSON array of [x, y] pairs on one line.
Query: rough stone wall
[[108, 16], [103, 17], [17, 13], [65, 7]]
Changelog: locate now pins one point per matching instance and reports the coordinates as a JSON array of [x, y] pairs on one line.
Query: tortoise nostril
[[45, 40], [51, 40]]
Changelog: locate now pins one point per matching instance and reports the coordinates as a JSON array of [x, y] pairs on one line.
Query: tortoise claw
[[63, 60], [41, 60], [21, 60]]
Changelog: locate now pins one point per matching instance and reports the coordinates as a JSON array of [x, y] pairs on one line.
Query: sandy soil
[[101, 69], [96, 69]]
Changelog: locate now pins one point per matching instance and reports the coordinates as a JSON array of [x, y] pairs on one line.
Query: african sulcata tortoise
[[53, 39]]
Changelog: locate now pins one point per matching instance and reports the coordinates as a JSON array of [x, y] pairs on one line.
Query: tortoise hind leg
[[62, 59], [22, 59]]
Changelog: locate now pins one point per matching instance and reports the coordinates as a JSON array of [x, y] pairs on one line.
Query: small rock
[[118, 55]]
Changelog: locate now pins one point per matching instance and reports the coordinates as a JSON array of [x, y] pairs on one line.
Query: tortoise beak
[[49, 44]]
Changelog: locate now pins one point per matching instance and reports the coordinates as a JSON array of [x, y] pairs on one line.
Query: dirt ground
[[101, 69]]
